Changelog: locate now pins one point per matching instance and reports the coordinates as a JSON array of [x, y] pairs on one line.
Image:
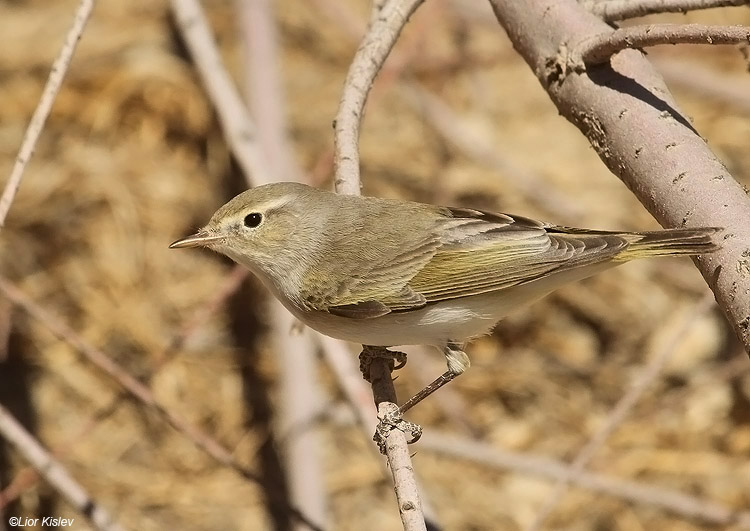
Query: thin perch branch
[[382, 34], [39, 118], [238, 128], [613, 10], [599, 48], [54, 472], [397, 449]]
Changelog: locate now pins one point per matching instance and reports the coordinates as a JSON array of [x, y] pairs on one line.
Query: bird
[[387, 272]]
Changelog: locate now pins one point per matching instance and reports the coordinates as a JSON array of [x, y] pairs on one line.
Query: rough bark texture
[[632, 121]]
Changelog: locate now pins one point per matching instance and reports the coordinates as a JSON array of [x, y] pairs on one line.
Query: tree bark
[[632, 121]]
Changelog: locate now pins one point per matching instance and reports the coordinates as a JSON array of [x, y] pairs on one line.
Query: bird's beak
[[198, 239]]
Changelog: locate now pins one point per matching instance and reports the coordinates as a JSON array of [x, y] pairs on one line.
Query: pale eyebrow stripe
[[273, 204]]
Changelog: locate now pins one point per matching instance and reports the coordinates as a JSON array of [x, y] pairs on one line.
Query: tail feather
[[670, 242]]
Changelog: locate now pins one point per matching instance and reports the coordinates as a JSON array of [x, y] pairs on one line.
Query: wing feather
[[468, 252]]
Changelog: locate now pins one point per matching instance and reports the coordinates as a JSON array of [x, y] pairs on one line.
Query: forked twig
[[38, 119], [54, 472]]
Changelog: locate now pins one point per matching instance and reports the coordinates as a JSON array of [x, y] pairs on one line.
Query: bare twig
[[38, 119], [612, 10], [223, 94], [139, 391], [453, 128], [235, 121], [381, 35], [620, 411], [683, 504], [54, 472], [397, 450], [599, 48], [359, 397], [300, 391], [27, 477]]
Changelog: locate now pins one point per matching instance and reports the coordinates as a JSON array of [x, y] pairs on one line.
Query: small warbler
[[384, 272]]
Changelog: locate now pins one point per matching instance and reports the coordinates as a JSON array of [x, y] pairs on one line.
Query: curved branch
[[612, 10], [386, 22], [599, 48], [389, 18], [632, 121]]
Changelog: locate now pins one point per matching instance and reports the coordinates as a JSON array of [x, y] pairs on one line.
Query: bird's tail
[[669, 242]]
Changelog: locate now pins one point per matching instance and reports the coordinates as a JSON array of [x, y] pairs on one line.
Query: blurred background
[[133, 158]]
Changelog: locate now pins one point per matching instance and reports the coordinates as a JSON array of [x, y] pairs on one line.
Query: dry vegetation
[[132, 158]]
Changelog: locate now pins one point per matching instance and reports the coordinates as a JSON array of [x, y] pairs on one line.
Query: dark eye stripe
[[253, 219]]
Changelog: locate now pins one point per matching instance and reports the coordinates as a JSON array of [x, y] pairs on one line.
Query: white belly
[[456, 320]]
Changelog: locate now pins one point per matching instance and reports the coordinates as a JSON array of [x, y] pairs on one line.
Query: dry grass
[[132, 159]]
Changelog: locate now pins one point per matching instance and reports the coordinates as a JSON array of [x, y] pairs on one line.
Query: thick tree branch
[[599, 48], [38, 119], [632, 121], [612, 10], [389, 18]]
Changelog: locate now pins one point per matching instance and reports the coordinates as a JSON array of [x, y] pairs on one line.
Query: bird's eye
[[253, 220]]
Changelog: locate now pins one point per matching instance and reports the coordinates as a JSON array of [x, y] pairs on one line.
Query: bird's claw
[[396, 359], [393, 420]]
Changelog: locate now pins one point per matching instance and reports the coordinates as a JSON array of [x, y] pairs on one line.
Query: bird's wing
[[469, 252], [486, 252], [381, 287]]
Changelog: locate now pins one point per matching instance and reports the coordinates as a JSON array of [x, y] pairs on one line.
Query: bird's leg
[[458, 362], [396, 359]]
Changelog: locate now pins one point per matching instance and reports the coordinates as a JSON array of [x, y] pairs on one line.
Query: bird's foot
[[390, 420], [396, 359]]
